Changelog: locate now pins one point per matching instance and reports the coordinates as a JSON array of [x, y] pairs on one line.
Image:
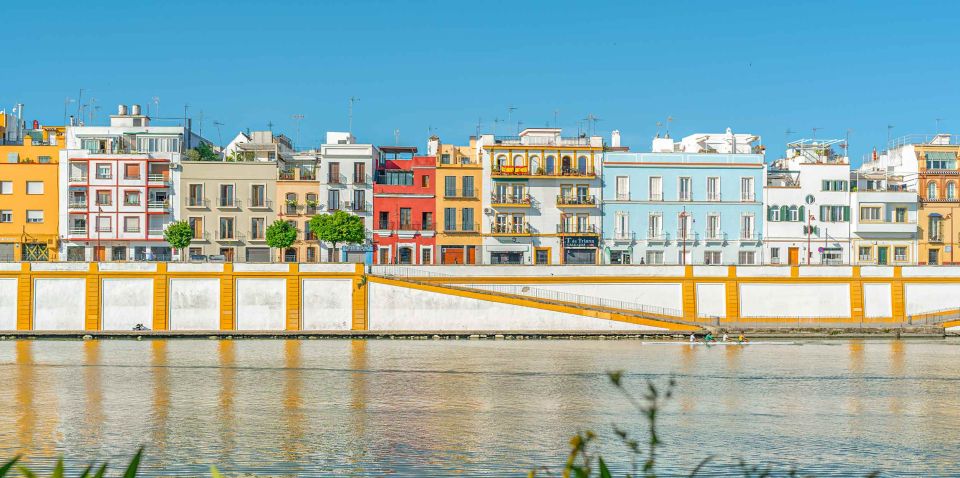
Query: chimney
[[615, 138]]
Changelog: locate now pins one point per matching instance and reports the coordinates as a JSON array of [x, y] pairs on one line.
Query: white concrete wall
[[59, 304], [667, 294], [401, 308], [931, 271], [329, 267], [250, 267], [194, 304], [921, 298], [711, 300], [877, 302], [8, 304], [537, 271], [791, 300], [126, 303], [261, 304], [327, 304], [194, 267], [128, 266]]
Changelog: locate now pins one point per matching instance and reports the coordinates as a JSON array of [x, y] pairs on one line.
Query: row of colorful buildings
[[106, 193]]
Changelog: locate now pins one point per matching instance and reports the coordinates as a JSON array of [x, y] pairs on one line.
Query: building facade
[[540, 204], [298, 200], [404, 207], [884, 217], [807, 196], [29, 185], [346, 183], [119, 186], [229, 205], [696, 201], [459, 187]]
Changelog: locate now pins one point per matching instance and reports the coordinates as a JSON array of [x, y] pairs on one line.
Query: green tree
[[339, 228], [281, 235], [203, 152], [179, 234]]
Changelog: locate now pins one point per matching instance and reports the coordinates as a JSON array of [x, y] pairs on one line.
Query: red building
[[404, 207]]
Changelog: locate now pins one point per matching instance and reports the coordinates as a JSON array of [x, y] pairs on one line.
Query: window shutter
[[826, 185], [800, 216], [824, 213], [846, 213], [770, 212], [784, 213]]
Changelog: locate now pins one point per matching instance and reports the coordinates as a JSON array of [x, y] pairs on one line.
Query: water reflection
[[228, 373], [93, 384], [897, 358], [293, 416], [26, 378], [161, 392]]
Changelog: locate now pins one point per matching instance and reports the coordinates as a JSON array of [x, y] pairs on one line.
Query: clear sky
[[762, 67]]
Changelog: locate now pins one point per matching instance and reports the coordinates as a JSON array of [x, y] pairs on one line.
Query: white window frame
[[747, 193], [710, 232], [654, 253], [35, 219], [623, 188], [6, 215], [747, 219], [680, 182], [715, 194], [655, 232], [6, 187], [658, 181], [742, 254], [35, 184]]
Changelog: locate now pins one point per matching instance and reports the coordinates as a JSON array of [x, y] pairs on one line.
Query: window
[[158, 144], [467, 219], [747, 257], [551, 165], [655, 226], [290, 200], [196, 223], [34, 215], [131, 198], [621, 225], [257, 228], [226, 228], [424, 181], [405, 218], [311, 254], [118, 253], [834, 213], [713, 189], [654, 257], [131, 224], [796, 213], [227, 196], [865, 253], [104, 172], [445, 158], [359, 173], [258, 195], [195, 195], [359, 200], [396, 178], [934, 229], [450, 186], [308, 234], [774, 255], [450, 219], [951, 190], [426, 221], [34, 187], [426, 255], [746, 189], [6, 215], [131, 171], [656, 188], [104, 224], [900, 214], [104, 198], [506, 257], [684, 226], [333, 199], [6, 187], [383, 222], [582, 165], [623, 188], [746, 227], [900, 254], [870, 213], [713, 226], [941, 160], [931, 190], [333, 173], [684, 192], [774, 214], [467, 186], [712, 258], [834, 185]]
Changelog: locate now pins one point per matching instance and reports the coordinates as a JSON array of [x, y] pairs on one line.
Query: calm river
[[340, 407]]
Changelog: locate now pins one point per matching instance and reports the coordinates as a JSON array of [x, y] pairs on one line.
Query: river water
[[477, 407]]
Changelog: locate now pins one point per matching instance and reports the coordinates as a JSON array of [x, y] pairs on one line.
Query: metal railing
[[510, 228], [655, 197], [357, 206], [460, 193], [938, 139], [657, 235], [156, 204], [77, 231], [157, 178], [624, 236], [78, 204], [523, 170], [261, 204], [229, 202], [510, 199], [464, 227], [78, 179], [336, 179], [198, 202], [563, 228], [543, 140], [576, 200]]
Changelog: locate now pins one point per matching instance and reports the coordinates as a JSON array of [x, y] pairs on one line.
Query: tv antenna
[[219, 136], [496, 121], [889, 130], [556, 118], [510, 110], [297, 117], [591, 120], [353, 99], [669, 122], [815, 132], [396, 137], [518, 127]]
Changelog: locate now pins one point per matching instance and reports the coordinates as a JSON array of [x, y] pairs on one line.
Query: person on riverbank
[[693, 338], [709, 338], [725, 338]]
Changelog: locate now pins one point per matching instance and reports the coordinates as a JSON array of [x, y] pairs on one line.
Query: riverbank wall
[[191, 297]]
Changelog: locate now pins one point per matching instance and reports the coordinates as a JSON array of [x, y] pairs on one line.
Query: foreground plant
[[60, 472]]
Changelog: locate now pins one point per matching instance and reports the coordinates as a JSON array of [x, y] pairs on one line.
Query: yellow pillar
[[897, 295], [293, 298], [93, 298], [161, 297], [359, 299], [733, 295], [689, 291], [226, 298], [25, 298], [856, 295]]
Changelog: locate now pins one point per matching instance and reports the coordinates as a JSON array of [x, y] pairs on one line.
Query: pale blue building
[[696, 201]]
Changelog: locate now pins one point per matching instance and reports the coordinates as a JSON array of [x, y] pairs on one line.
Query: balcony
[[463, 228], [510, 200], [577, 201], [155, 232], [523, 171], [657, 235], [158, 179], [362, 179], [77, 231], [542, 140], [905, 227], [624, 237], [750, 236], [510, 229], [228, 202], [78, 204], [358, 206], [201, 236], [582, 229], [687, 236], [336, 179], [198, 203], [748, 197], [154, 205], [264, 204], [715, 236], [295, 175], [658, 197], [78, 179], [335, 206], [460, 193], [229, 236]]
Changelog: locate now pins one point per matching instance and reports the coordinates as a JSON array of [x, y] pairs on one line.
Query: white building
[[807, 199], [541, 203], [346, 182], [121, 186], [884, 217]]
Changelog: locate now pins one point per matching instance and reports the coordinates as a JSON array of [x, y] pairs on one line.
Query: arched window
[[931, 190], [291, 203], [951, 190], [534, 164], [501, 162], [517, 160], [311, 199], [582, 165], [794, 214], [773, 213], [566, 165], [551, 165]]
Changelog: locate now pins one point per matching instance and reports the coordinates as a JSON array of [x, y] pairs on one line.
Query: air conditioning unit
[[175, 167], [488, 210]]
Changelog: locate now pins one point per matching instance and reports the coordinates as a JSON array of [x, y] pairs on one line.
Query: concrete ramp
[[404, 304]]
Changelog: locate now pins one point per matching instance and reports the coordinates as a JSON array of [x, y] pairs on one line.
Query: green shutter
[[784, 213], [824, 213], [846, 213], [770, 212], [800, 216], [826, 185]]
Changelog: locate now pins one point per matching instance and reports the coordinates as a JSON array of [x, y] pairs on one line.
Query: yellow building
[[459, 189], [29, 198], [939, 214], [297, 202]]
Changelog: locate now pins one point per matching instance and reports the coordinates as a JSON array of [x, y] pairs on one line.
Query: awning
[[947, 155], [935, 214]]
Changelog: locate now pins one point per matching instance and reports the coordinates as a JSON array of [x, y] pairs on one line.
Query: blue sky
[[763, 67]]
